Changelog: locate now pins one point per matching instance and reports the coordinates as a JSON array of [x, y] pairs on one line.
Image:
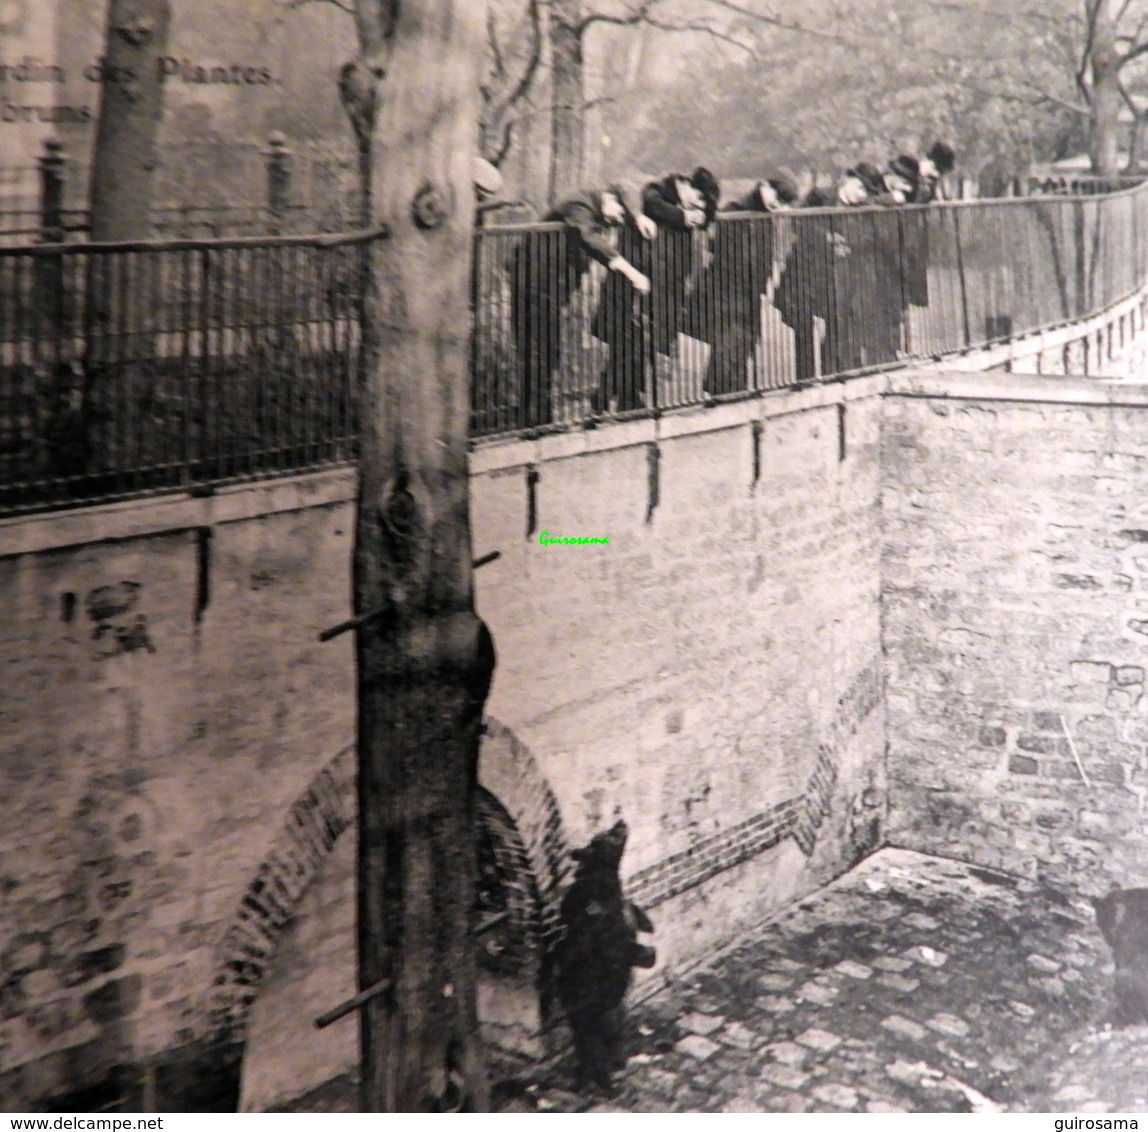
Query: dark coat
[[589, 237], [743, 260], [725, 306], [808, 282], [915, 256], [546, 268], [677, 255], [671, 262], [845, 267], [872, 299]]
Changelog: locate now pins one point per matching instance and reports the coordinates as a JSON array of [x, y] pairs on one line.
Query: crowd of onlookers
[[843, 288]]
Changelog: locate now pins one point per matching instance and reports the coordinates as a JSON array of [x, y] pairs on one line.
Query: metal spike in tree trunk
[[131, 106], [425, 665]]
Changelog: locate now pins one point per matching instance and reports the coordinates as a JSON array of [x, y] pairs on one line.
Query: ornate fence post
[[278, 178], [52, 178], [49, 269]]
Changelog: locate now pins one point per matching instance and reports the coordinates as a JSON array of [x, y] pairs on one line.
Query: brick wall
[[1015, 609]]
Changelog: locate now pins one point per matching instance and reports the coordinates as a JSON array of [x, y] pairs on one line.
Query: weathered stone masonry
[[163, 728], [1015, 608], [964, 581]]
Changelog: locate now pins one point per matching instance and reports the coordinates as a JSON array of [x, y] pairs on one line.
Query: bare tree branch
[[1124, 93], [704, 29], [1135, 53], [492, 40], [772, 20], [534, 57], [501, 101], [642, 14], [292, 5]]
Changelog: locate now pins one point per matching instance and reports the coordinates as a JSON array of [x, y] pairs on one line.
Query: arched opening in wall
[[509, 952], [309, 964]]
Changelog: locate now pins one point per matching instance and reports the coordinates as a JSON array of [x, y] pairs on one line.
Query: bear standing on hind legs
[[1122, 917], [598, 950]]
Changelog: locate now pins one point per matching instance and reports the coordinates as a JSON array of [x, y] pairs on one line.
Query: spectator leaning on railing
[[542, 283], [725, 307], [683, 205], [678, 205], [805, 291], [859, 274], [922, 178], [912, 186], [938, 162]]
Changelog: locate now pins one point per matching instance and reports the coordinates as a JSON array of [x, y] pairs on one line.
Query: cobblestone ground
[[910, 984]]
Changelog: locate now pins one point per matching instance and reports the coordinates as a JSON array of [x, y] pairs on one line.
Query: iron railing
[[127, 368], [181, 364], [762, 302], [1079, 184]]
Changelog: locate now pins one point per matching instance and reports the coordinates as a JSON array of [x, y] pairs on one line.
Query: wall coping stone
[[170, 512], [501, 453], [159, 514], [1043, 389]]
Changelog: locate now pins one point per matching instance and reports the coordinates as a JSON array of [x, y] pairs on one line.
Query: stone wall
[[170, 721], [165, 702], [1015, 610]]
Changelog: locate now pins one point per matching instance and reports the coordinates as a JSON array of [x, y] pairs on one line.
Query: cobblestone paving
[[910, 984], [1100, 1070]]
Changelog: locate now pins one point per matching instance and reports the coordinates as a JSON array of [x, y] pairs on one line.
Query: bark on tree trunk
[[424, 664], [131, 106], [567, 94]]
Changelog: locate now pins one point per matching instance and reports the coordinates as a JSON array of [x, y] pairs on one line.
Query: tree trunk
[[1107, 101], [131, 106], [425, 663], [567, 95]]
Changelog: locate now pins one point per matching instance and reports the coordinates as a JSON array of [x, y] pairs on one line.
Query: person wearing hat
[[845, 270], [908, 179], [851, 190], [903, 179], [725, 307], [939, 161], [679, 206], [545, 272], [806, 290], [488, 185], [863, 184]]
